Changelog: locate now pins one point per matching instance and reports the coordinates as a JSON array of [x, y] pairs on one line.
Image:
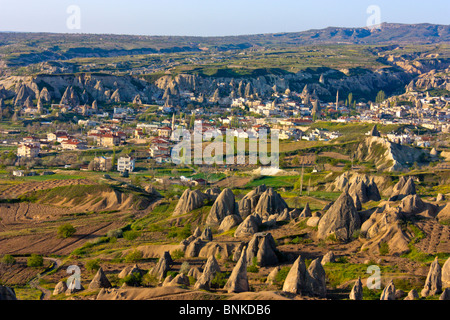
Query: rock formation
[[163, 265], [207, 234], [328, 258], [224, 205], [230, 222], [270, 203], [446, 274], [357, 290], [306, 213], [99, 281], [405, 187], [341, 220], [60, 288], [295, 280], [238, 281], [433, 283], [190, 200], [248, 227], [412, 295], [249, 202], [209, 272], [7, 293], [316, 280], [388, 292], [262, 247]]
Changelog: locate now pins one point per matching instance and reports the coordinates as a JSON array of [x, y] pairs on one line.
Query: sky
[[210, 17]]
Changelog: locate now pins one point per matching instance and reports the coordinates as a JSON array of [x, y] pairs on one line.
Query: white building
[[125, 164]]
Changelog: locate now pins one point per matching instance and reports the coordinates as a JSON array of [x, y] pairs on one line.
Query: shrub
[[35, 261], [8, 259], [133, 279], [134, 256], [131, 235], [185, 267], [384, 249], [177, 254], [93, 265], [220, 280], [118, 233], [66, 231], [149, 280]]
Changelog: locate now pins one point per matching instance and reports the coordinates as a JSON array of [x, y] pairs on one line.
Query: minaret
[[337, 100], [173, 121]]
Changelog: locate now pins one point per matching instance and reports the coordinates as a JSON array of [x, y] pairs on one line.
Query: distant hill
[[19, 49]]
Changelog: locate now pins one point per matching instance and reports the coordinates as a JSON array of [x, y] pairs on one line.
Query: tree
[[350, 99], [35, 261], [66, 231], [381, 96]]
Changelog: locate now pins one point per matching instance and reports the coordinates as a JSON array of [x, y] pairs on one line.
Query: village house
[[73, 144], [28, 151], [102, 163], [126, 164], [165, 132]]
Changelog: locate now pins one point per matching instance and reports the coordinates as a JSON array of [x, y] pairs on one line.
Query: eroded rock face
[[270, 203], [433, 283], [316, 280], [7, 293], [60, 288], [357, 290], [341, 220], [99, 281], [230, 222], [405, 187], [388, 292], [190, 200], [446, 273], [163, 265], [296, 279], [248, 227], [209, 272], [249, 202], [262, 247], [224, 205], [238, 281]]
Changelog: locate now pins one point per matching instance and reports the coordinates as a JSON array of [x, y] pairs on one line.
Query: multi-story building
[[125, 164], [28, 151]]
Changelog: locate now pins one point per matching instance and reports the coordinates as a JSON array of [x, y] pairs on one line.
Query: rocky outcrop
[[248, 227], [209, 272], [295, 280], [306, 213], [388, 292], [229, 222], [433, 283], [315, 280], [99, 281], [328, 258], [386, 155], [249, 202], [405, 187], [7, 293], [446, 274], [163, 265], [412, 295], [190, 200], [413, 204], [262, 247], [444, 214], [357, 290], [224, 205], [238, 280], [60, 288], [341, 220], [207, 234], [270, 203]]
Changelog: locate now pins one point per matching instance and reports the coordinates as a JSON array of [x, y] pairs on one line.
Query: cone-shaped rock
[[224, 205], [341, 219], [295, 280], [357, 290], [207, 234], [209, 272], [445, 295], [248, 203], [238, 281], [161, 268], [328, 258], [433, 283], [316, 280], [248, 227], [270, 203], [60, 288], [190, 200], [306, 213], [230, 222], [100, 281], [446, 274], [388, 292]]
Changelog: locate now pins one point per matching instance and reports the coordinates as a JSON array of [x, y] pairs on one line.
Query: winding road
[[34, 283]]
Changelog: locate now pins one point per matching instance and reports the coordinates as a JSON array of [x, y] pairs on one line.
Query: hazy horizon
[[202, 18]]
